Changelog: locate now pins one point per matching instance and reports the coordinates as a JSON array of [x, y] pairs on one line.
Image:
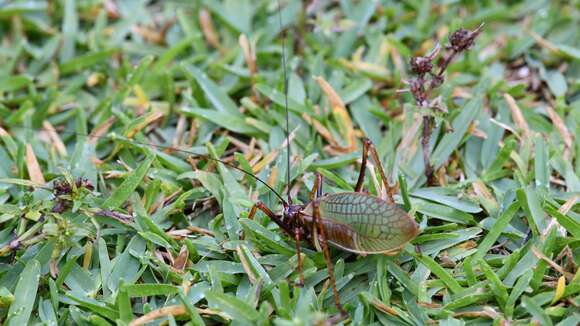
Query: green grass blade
[[24, 295], [122, 193]]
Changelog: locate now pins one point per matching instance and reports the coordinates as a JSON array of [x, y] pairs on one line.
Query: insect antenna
[[287, 131], [164, 147]]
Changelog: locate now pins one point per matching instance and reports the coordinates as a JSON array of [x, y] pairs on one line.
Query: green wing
[[362, 223]]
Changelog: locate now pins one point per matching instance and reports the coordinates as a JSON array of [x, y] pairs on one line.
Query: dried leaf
[[176, 310], [180, 262], [55, 139], [517, 115], [33, 167], [208, 29], [325, 133], [249, 54], [562, 129], [340, 113], [101, 130], [269, 158], [564, 209], [179, 130]]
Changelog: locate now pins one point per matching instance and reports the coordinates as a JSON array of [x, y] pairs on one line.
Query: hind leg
[[326, 252], [368, 146], [317, 189]]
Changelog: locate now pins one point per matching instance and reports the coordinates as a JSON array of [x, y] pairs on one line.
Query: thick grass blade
[[122, 193], [440, 272], [24, 295], [238, 309], [498, 227], [217, 97]]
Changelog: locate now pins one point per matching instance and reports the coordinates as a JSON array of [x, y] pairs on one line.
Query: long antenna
[[286, 104], [194, 155]]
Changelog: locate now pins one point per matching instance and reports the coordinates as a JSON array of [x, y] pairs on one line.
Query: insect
[[352, 221]]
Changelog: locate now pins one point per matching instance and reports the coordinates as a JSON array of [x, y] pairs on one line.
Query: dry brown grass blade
[[505, 126], [340, 113], [562, 129], [249, 54], [517, 115], [333, 98], [240, 144], [269, 158], [199, 230], [192, 132], [249, 51], [325, 133], [54, 138], [34, 171], [543, 42], [181, 260], [150, 118], [148, 34], [564, 209], [550, 262], [483, 192], [384, 308], [208, 29], [273, 176], [357, 64], [179, 130], [101, 130], [489, 313], [176, 310]]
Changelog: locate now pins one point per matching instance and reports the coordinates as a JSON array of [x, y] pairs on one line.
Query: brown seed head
[[463, 39], [421, 65]]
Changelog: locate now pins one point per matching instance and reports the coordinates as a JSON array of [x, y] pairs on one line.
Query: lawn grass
[[102, 223]]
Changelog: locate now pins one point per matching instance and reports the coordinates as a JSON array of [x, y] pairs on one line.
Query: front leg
[[297, 238]]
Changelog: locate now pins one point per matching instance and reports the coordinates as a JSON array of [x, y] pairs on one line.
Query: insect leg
[[326, 253], [317, 189], [297, 233], [363, 166], [276, 218], [375, 156]]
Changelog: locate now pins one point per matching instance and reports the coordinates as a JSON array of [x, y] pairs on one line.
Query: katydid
[[352, 221]]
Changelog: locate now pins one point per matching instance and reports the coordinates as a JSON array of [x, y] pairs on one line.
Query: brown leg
[[253, 211], [363, 166], [326, 253], [276, 218], [297, 232], [317, 189], [369, 146]]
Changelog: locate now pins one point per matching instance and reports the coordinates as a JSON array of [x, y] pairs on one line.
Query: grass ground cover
[[102, 222]]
